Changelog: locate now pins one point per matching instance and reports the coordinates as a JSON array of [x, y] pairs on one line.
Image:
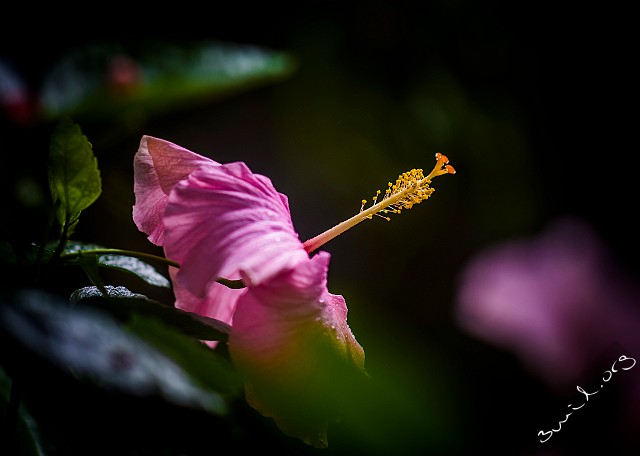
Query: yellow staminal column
[[409, 189]]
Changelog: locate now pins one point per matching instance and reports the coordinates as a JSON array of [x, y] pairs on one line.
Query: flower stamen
[[409, 189]]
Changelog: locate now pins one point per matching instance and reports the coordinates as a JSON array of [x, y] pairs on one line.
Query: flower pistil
[[410, 188]]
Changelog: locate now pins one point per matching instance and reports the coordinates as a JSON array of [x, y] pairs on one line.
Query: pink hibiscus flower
[[221, 222]]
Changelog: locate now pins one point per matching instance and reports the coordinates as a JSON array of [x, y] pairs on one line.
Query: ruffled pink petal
[[219, 301], [291, 341], [158, 166], [225, 221]]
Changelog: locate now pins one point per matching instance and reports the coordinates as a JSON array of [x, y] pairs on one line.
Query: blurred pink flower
[[557, 300], [222, 221]]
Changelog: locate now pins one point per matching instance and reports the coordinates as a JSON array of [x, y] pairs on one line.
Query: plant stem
[[130, 253], [235, 284]]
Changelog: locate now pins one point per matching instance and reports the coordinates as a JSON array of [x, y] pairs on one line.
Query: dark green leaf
[[20, 262], [136, 267], [95, 347], [24, 431], [7, 254], [44, 254], [128, 264], [123, 304], [74, 178], [111, 81], [89, 264], [209, 368]]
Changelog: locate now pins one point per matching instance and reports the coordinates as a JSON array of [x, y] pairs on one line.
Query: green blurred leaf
[[74, 178], [23, 436], [19, 262], [94, 347], [7, 254], [110, 81], [124, 304], [35, 252], [209, 368], [128, 264]]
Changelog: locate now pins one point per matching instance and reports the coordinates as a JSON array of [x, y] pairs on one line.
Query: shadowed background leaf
[[90, 344], [114, 81], [125, 305]]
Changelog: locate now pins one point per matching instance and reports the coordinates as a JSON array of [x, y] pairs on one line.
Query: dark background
[[535, 106]]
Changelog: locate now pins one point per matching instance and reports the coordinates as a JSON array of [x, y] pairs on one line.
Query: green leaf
[[124, 304], [89, 264], [209, 368], [25, 433], [7, 254], [96, 348], [20, 262], [128, 264], [136, 267], [36, 253], [109, 81], [74, 178]]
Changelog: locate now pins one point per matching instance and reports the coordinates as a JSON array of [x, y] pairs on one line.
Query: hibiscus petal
[[223, 221], [219, 302], [291, 341], [158, 165]]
